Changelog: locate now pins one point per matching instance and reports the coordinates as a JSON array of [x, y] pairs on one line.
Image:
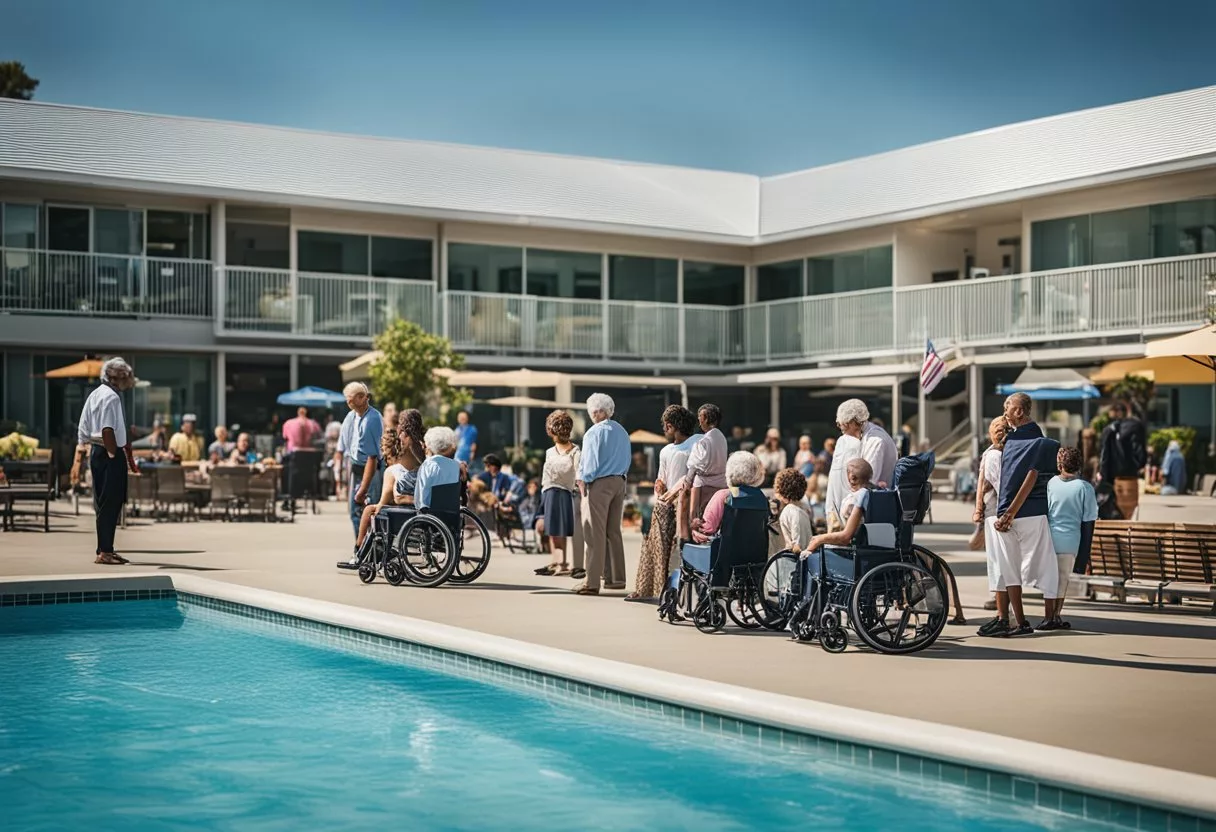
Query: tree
[[405, 374], [15, 82]]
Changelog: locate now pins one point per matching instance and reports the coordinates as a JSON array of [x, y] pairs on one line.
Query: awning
[[528, 401], [89, 368], [1175, 370], [646, 437], [504, 378], [1051, 385], [1198, 346], [359, 369]]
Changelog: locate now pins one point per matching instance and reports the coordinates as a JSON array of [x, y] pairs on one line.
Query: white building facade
[[236, 261]]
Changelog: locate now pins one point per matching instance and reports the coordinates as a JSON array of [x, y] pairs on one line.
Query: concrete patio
[[1129, 681]]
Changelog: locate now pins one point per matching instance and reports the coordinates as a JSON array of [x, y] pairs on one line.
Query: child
[[795, 520], [1072, 509], [852, 508]]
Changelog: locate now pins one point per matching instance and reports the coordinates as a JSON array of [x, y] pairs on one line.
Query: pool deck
[[1129, 682]]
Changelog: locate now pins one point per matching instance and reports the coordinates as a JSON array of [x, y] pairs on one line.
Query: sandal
[[548, 570], [109, 558], [585, 590], [633, 596], [562, 571]]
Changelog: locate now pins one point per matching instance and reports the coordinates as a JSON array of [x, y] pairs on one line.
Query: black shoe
[[578, 574], [995, 627], [348, 564], [1020, 630], [1048, 624]]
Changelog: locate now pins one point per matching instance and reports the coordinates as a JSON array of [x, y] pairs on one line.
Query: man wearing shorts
[[1020, 532]]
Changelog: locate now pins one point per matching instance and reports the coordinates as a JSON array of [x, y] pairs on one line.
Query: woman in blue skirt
[[557, 491]]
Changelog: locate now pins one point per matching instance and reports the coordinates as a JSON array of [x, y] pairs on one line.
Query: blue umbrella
[[311, 397], [1059, 394]]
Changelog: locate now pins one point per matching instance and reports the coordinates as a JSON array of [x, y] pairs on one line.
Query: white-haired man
[[359, 445], [603, 464], [859, 437], [439, 467], [102, 433]]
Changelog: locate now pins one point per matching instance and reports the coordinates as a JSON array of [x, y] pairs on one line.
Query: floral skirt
[[654, 564]]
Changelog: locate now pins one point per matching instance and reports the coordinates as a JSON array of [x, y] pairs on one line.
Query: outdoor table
[[9, 494]]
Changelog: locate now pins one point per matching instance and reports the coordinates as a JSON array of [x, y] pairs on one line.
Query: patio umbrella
[[528, 401], [646, 437], [1198, 347], [1051, 385], [504, 378], [1175, 370], [89, 368], [310, 396], [359, 369]]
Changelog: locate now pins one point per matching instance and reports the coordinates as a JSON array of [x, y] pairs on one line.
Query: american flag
[[933, 370]]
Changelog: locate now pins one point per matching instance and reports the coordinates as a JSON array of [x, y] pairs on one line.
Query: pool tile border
[[908, 768], [45, 599]]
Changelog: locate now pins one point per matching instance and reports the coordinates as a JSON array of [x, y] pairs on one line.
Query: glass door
[[118, 240]]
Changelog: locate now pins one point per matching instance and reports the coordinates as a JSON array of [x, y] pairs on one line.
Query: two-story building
[[232, 262]]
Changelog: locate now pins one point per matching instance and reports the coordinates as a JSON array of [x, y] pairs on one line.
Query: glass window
[[851, 271], [116, 231], [713, 285], [200, 236], [20, 226], [777, 281], [1059, 244], [67, 228], [478, 268], [1181, 228], [258, 245], [643, 278], [169, 234], [564, 274], [1119, 236], [399, 257], [324, 251]]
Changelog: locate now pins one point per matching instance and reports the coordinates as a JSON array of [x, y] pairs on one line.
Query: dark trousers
[[109, 493]]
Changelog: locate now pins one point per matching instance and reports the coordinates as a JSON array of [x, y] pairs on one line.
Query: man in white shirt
[[102, 432], [706, 470]]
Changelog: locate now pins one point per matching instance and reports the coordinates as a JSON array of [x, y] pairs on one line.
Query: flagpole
[[922, 434]]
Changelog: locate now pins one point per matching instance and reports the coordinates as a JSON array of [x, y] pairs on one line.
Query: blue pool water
[[151, 715]]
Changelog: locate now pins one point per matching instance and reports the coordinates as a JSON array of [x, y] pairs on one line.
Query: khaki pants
[[602, 510], [1127, 495], [576, 541]]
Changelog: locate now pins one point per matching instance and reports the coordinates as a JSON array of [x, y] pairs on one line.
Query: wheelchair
[[723, 577], [877, 586], [428, 547]]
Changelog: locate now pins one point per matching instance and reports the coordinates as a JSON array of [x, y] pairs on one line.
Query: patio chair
[[171, 491], [262, 492], [229, 489]]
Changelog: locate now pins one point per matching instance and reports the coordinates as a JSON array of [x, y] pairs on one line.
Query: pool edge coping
[[1153, 786]]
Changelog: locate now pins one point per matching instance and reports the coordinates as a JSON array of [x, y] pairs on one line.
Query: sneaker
[[997, 626], [578, 574], [1020, 630], [1048, 624], [353, 563]]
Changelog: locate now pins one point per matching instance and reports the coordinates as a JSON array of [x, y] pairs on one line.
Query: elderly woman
[[102, 433], [744, 475], [557, 483], [771, 454], [859, 437], [439, 468], [654, 563], [603, 465]]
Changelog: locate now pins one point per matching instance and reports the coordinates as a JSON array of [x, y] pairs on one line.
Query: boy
[[1072, 509]]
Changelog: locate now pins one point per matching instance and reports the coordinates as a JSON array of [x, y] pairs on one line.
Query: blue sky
[[761, 87]]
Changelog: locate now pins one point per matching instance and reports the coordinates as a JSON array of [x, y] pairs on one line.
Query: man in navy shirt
[[1021, 535]]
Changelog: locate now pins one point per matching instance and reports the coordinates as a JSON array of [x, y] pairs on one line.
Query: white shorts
[[995, 584], [1064, 562], [1024, 555]]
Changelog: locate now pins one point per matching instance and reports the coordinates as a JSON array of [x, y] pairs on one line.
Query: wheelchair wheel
[[367, 572], [474, 547], [426, 550], [394, 572], [776, 599], [743, 613], [898, 608], [834, 641], [710, 616], [667, 605]]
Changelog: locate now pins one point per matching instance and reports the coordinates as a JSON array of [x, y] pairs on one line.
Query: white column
[[293, 371], [523, 418], [897, 416], [774, 406], [976, 397], [219, 259], [221, 388]]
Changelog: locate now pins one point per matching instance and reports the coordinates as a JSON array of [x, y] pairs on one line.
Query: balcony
[[275, 302], [107, 285]]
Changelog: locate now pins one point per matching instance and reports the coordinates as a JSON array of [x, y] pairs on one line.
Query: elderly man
[[601, 482], [706, 470], [1021, 536], [439, 468], [359, 445], [873, 444], [187, 445], [102, 433]]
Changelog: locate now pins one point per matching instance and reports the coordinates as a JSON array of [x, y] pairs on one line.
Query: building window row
[[1170, 229], [850, 271], [182, 235]]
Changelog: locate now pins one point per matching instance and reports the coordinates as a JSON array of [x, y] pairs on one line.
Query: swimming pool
[[160, 713]]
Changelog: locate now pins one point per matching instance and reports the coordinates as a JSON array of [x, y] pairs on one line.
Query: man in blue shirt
[[466, 438], [439, 468], [601, 482], [359, 446], [508, 489], [1021, 536]]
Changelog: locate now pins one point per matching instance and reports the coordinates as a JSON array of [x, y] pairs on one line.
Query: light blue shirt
[[435, 470], [466, 438], [605, 452], [1069, 504], [360, 436]]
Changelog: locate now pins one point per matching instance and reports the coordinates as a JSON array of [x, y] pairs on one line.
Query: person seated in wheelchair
[[439, 467], [744, 475], [852, 510], [396, 479]]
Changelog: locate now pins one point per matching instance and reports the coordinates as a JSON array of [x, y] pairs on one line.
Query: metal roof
[[298, 167]]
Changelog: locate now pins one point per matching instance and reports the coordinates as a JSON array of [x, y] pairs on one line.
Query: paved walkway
[[1128, 682]]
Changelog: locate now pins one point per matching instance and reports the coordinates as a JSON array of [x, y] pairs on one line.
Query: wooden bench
[[1162, 560]]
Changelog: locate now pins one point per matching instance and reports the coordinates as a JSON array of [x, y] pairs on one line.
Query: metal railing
[[331, 306], [848, 323], [78, 283]]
